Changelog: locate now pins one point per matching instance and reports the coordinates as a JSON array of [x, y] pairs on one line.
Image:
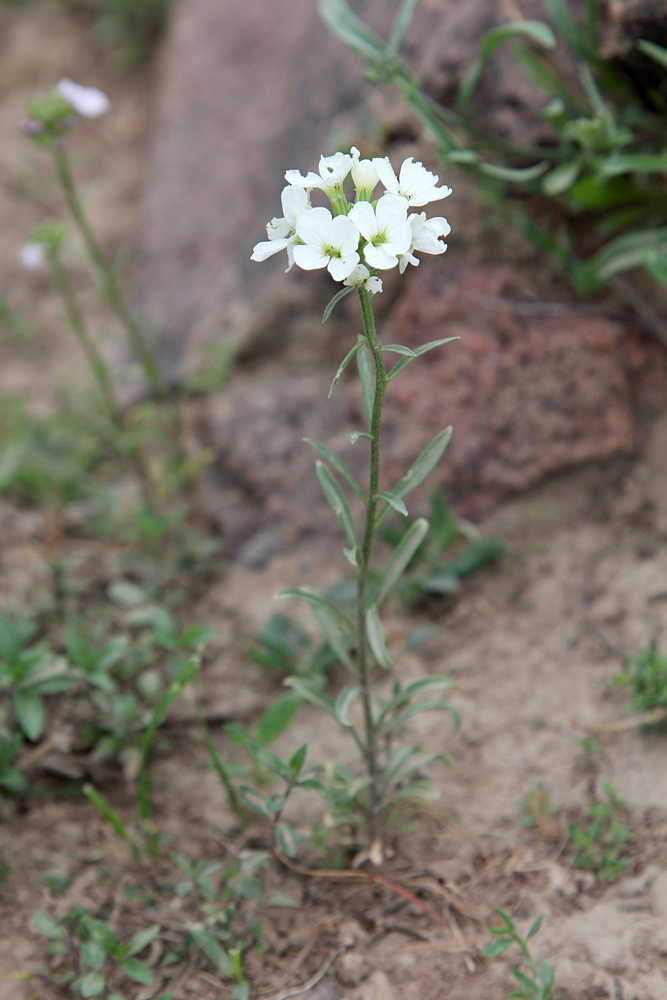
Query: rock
[[353, 968], [529, 394]]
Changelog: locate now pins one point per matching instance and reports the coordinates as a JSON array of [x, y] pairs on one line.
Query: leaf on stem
[[398, 349], [337, 502], [338, 17], [367, 381], [405, 361], [334, 302], [427, 461], [536, 31], [394, 502], [402, 555], [343, 365], [376, 638], [354, 436], [401, 24], [335, 636], [656, 52], [344, 702], [339, 466], [312, 694], [308, 596]]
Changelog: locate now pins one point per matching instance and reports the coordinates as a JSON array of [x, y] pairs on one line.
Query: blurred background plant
[[590, 194]]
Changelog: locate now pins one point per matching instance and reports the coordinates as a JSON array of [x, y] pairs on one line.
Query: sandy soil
[[533, 646]]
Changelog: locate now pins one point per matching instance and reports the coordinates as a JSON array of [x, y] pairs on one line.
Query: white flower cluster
[[355, 240]]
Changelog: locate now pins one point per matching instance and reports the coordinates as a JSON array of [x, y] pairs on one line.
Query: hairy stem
[[381, 381]]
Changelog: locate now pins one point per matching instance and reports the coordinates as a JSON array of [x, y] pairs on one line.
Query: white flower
[[361, 277], [33, 256], [426, 235], [87, 101], [386, 228], [327, 242], [281, 232], [365, 178], [415, 183], [333, 170]]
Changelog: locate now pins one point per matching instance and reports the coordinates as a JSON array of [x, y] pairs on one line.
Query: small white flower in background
[[33, 256], [361, 277], [426, 238], [326, 242], [415, 183], [281, 232], [86, 101], [386, 228], [333, 170]]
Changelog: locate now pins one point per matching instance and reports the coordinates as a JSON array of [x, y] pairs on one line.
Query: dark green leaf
[[137, 971], [535, 928], [296, 762], [277, 718], [141, 939], [30, 713]]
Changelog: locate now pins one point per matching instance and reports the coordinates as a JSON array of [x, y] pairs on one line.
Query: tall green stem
[[381, 381], [113, 295]]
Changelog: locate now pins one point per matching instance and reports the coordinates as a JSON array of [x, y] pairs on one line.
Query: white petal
[[385, 172], [374, 284], [365, 176], [294, 200], [295, 179], [278, 229], [363, 216], [344, 234], [313, 226], [379, 258], [309, 257], [341, 267], [267, 249], [87, 101]]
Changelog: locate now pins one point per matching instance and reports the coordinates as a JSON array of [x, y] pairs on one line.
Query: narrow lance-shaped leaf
[[657, 265], [307, 596], [29, 710], [334, 302], [367, 381], [427, 461], [521, 175], [395, 502], [344, 701], [344, 363], [402, 555], [536, 31], [337, 502], [401, 24], [311, 694], [417, 353], [338, 17], [656, 52], [334, 636], [399, 349], [376, 638], [339, 466]]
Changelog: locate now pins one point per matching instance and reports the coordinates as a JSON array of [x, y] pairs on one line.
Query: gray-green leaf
[[402, 555], [376, 638]]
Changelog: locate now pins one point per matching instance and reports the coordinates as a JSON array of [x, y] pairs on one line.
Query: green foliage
[[428, 571], [91, 959], [28, 672], [539, 812], [646, 675], [533, 983], [600, 841], [603, 164]]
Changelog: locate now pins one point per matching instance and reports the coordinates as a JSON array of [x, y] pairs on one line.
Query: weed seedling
[[540, 813], [533, 983], [646, 675], [601, 840]]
